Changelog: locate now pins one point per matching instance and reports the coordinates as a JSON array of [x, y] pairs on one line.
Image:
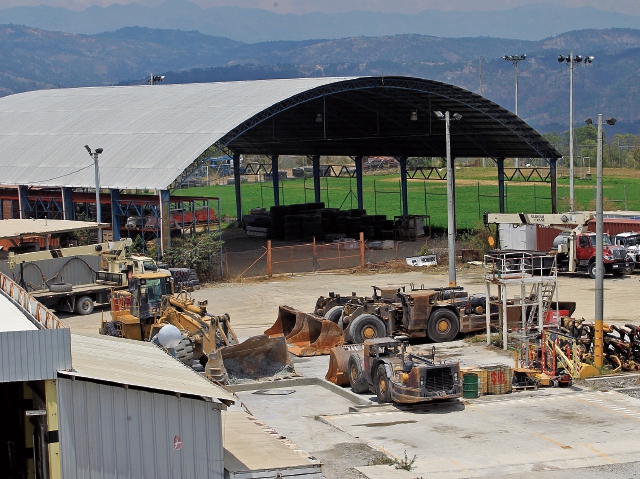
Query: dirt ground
[[253, 307]]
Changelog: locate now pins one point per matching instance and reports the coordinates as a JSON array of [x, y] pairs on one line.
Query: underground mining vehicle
[[385, 368]]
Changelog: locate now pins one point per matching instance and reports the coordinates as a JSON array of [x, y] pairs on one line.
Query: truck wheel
[[357, 381], [443, 326], [84, 305], [60, 287], [383, 385], [592, 270], [366, 326], [184, 352], [334, 314]]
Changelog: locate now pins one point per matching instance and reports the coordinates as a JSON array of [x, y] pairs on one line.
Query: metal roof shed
[[130, 410]]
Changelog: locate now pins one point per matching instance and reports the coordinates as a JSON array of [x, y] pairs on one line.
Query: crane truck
[[91, 286], [574, 248]]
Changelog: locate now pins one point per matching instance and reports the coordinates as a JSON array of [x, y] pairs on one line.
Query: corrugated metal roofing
[[13, 228], [138, 364], [11, 318], [149, 134]]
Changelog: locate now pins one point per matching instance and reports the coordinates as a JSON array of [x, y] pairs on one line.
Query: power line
[[62, 176]]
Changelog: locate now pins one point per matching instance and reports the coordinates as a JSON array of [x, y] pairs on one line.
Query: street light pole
[[599, 312], [451, 202], [515, 59], [94, 155]]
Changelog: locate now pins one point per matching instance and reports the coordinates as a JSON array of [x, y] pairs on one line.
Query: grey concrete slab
[[500, 435]]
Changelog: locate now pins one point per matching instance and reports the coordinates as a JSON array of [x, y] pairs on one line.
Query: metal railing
[[501, 265], [38, 313]]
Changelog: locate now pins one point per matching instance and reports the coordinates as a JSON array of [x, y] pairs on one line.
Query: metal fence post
[[361, 250], [269, 267]]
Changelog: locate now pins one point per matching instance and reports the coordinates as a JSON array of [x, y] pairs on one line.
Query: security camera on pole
[[571, 60], [94, 155]]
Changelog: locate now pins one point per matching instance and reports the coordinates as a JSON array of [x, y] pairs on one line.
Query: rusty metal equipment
[[339, 362], [385, 368], [305, 334], [149, 306]]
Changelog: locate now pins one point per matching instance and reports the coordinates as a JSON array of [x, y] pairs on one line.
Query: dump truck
[[150, 311], [385, 368], [64, 292], [574, 248]]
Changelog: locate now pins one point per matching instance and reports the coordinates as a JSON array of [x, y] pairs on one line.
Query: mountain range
[[252, 25], [32, 58]]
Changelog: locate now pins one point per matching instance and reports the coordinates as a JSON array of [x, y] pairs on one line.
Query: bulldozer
[[151, 311]]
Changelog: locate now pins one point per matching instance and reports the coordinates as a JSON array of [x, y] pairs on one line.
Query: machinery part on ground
[[334, 314], [305, 334], [257, 357], [339, 362], [84, 305], [60, 287], [110, 329], [357, 381], [366, 326], [383, 384], [444, 325], [184, 351]]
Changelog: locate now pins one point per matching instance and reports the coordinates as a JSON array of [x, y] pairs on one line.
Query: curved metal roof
[[150, 135]]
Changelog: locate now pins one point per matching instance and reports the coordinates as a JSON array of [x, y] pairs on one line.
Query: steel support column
[[553, 174], [115, 219], [23, 202], [500, 162], [68, 210], [275, 177], [316, 177], [359, 188], [165, 233], [236, 184], [403, 185]]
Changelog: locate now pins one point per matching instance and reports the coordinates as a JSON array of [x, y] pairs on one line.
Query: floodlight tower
[[572, 60]]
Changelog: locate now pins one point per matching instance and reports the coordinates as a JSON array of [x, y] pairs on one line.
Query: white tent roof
[[150, 134]]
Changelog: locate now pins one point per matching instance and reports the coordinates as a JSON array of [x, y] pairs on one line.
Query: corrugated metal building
[[119, 409]]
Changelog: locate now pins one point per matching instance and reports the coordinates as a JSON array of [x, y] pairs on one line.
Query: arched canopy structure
[[152, 134]]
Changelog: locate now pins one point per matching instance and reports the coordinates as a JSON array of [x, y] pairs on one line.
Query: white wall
[[107, 431]]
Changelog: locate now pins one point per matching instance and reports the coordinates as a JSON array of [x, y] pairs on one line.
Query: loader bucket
[[338, 372], [288, 323], [257, 357], [316, 337], [306, 334]]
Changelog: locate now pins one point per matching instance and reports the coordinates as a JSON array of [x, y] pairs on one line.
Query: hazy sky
[[305, 6]]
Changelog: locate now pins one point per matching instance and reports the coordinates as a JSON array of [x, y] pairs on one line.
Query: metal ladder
[[546, 290]]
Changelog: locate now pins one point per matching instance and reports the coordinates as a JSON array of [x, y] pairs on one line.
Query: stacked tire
[[278, 215], [293, 227], [312, 227]]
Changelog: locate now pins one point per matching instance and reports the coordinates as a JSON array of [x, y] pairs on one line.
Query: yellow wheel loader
[[149, 306]]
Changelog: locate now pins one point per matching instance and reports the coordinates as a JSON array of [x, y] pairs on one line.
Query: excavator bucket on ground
[[305, 334], [338, 372], [255, 358]]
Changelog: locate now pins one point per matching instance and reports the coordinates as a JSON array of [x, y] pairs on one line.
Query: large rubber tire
[[110, 329], [443, 326], [184, 352], [60, 287], [334, 314], [366, 326], [84, 305], [357, 381], [382, 385], [592, 270]]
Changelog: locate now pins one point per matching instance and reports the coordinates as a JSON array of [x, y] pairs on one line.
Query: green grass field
[[476, 192]]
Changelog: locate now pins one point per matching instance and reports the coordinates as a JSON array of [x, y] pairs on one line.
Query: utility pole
[[94, 155], [515, 59]]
